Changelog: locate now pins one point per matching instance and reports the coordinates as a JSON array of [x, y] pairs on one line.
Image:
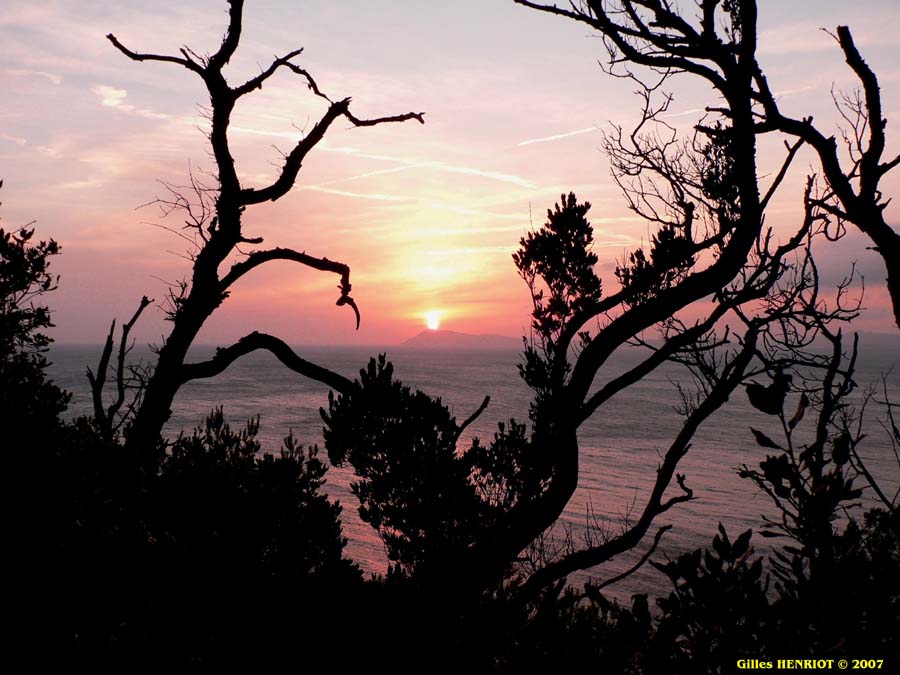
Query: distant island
[[448, 339]]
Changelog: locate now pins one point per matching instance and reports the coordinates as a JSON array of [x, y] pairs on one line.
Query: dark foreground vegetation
[[136, 550], [211, 552]]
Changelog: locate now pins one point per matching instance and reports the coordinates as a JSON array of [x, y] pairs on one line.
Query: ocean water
[[621, 445]]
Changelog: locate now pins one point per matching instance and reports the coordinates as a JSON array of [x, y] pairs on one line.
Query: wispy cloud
[[80, 184], [684, 113], [472, 212], [359, 195], [50, 151], [556, 137], [370, 174], [468, 250], [22, 72], [407, 163], [441, 167], [796, 90], [481, 173], [441, 206], [111, 97], [18, 140], [341, 149], [404, 163]]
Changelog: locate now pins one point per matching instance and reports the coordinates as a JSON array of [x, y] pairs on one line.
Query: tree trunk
[[156, 407], [205, 296]]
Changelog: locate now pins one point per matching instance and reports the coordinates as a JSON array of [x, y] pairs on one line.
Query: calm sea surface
[[621, 445]]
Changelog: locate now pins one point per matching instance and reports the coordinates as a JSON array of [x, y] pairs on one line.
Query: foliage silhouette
[[414, 489], [28, 401], [560, 255], [193, 563]]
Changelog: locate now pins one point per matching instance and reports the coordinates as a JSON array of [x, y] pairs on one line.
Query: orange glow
[[426, 216]]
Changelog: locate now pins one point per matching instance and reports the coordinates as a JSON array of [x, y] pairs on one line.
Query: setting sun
[[433, 319]]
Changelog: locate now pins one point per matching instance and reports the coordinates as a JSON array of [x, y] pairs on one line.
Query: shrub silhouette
[[199, 561], [413, 487], [29, 402], [185, 555]]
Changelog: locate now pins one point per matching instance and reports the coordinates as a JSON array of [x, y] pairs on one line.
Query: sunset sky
[[426, 216]]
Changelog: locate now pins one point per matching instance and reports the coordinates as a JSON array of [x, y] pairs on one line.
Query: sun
[[433, 319]]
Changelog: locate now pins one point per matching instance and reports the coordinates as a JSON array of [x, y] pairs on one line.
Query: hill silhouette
[[448, 339]]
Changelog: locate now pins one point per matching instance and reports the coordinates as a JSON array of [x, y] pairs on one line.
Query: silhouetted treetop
[[24, 275], [413, 487], [559, 256], [30, 404]]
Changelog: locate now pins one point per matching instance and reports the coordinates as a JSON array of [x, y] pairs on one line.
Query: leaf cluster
[[557, 263]]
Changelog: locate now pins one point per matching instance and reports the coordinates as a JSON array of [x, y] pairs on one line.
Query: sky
[[427, 216]]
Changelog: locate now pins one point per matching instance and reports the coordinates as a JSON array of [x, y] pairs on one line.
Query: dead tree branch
[[225, 356], [257, 258], [106, 417]]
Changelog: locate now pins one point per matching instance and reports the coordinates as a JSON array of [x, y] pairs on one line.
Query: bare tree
[[217, 222]]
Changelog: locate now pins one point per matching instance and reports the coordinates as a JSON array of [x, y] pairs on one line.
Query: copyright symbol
[[842, 664]]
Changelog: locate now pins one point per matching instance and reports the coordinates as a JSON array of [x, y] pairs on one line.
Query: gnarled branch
[[257, 82], [359, 122], [294, 160], [232, 35], [659, 52], [474, 416], [123, 352], [188, 63], [323, 264], [224, 357], [593, 591], [856, 189], [105, 418], [595, 555]]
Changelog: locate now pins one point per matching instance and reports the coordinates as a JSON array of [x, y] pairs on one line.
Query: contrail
[[558, 136]]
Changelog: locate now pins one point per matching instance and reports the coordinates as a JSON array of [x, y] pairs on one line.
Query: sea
[[621, 445]]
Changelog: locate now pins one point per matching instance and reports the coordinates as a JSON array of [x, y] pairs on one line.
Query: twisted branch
[[323, 264], [224, 357]]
